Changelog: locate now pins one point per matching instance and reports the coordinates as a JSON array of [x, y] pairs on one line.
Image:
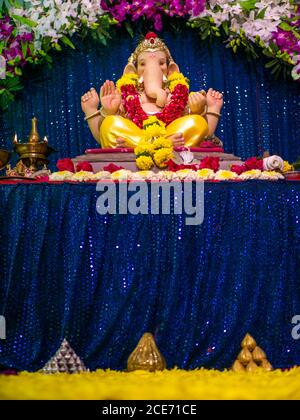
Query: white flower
[[82, 176], [273, 162], [252, 174], [101, 175], [142, 175], [61, 176], [271, 175], [56, 18], [296, 70], [121, 175], [166, 175]]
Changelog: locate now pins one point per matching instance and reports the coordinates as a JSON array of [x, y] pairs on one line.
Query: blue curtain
[[259, 113], [102, 281]]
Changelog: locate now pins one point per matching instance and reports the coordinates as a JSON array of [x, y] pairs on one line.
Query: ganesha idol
[[151, 91]]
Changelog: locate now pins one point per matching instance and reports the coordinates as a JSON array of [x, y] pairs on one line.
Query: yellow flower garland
[[144, 163], [127, 79], [162, 156], [175, 79]]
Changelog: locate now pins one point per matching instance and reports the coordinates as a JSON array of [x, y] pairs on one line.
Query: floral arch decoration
[[31, 30]]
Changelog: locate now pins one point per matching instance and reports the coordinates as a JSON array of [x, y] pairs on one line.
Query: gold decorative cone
[[258, 354], [251, 367], [238, 367], [245, 356], [251, 357], [266, 365], [146, 356], [249, 342]]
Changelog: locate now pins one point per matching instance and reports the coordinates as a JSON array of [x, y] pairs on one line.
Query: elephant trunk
[[153, 83]]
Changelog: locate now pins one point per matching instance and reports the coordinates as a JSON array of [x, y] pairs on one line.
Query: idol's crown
[[151, 43]]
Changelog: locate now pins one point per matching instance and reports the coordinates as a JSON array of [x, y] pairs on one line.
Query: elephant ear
[[172, 68], [129, 69]]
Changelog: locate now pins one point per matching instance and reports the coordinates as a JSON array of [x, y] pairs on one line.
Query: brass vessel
[[34, 153], [146, 356], [4, 158]]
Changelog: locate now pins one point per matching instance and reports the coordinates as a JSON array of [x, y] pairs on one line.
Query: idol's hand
[[214, 100], [197, 102], [177, 139], [90, 101], [110, 98]]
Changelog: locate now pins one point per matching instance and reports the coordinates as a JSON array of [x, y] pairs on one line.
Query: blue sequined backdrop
[[102, 281], [259, 113]]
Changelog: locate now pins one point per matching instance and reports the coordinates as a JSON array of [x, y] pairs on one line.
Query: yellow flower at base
[[162, 156], [287, 166], [205, 174], [172, 384], [162, 142], [223, 175], [144, 163]]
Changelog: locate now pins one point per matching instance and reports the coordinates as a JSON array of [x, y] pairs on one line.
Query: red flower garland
[[171, 112]]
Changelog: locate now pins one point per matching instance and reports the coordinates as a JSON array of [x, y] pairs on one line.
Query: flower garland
[[29, 32], [154, 147], [178, 86]]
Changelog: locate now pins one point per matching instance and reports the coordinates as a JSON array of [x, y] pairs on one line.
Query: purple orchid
[[152, 10], [5, 28]]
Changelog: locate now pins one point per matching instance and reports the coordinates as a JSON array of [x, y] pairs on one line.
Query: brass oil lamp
[[34, 153]]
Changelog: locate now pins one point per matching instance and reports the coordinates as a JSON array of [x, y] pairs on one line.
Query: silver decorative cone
[[65, 360]]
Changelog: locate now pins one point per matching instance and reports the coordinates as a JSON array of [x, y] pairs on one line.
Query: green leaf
[[276, 68], [24, 49], [225, 27], [262, 13], [18, 71], [296, 34], [247, 5], [271, 63], [56, 46], [25, 21], [68, 42], [285, 26], [129, 29]]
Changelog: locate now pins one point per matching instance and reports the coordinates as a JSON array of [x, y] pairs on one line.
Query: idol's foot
[[121, 142]]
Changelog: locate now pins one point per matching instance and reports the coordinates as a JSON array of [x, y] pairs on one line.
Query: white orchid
[[56, 18]]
